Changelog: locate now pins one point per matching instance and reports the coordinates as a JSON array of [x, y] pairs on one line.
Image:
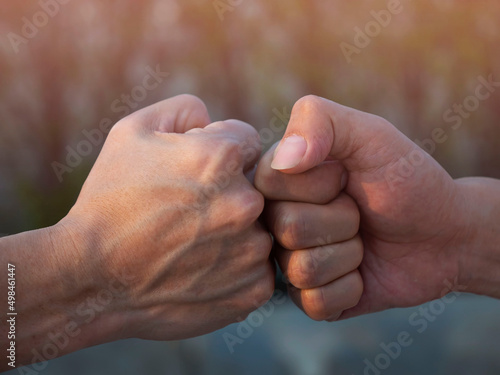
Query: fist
[[316, 226], [168, 204], [414, 223]]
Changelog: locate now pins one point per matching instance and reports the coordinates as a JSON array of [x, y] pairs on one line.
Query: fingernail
[[343, 181], [289, 153]]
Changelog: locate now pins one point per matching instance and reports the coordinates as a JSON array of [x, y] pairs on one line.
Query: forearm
[[480, 262], [52, 287]]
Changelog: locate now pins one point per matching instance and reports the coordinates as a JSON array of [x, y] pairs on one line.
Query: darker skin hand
[[412, 224]]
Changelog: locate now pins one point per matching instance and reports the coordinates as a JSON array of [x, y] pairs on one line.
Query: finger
[[320, 128], [312, 268], [318, 185], [235, 208], [250, 174], [329, 301], [175, 115], [263, 241], [299, 226], [240, 136]]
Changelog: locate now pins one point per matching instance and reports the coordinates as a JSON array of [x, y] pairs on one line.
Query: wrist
[[62, 302], [479, 237], [52, 287], [97, 292]]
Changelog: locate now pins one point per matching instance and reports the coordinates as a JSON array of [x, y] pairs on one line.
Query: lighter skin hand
[[166, 224]]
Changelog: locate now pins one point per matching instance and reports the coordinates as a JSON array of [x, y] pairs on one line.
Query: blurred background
[[64, 69]]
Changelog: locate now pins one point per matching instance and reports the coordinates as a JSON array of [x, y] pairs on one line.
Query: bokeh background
[[252, 60]]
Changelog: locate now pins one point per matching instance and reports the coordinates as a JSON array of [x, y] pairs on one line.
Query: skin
[[163, 242], [421, 233]]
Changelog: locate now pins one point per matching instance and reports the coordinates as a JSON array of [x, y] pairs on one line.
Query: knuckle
[[381, 122], [123, 129], [264, 288], [356, 221], [356, 290], [215, 157], [229, 149], [302, 270], [358, 250], [234, 212], [197, 112], [308, 104], [314, 304], [380, 125], [221, 143], [261, 247], [192, 100], [264, 178], [219, 155], [124, 133], [250, 205], [290, 228], [351, 214], [237, 211]]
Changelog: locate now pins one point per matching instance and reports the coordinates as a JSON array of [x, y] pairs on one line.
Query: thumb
[[321, 129], [178, 114]]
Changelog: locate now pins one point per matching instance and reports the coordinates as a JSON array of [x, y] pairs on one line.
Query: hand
[[167, 204], [412, 222], [316, 226]]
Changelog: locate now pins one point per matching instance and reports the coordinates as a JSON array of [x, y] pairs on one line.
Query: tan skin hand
[[316, 226], [183, 218], [418, 229], [165, 231]]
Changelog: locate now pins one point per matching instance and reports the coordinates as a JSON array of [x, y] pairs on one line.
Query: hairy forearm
[[51, 298], [480, 262]]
